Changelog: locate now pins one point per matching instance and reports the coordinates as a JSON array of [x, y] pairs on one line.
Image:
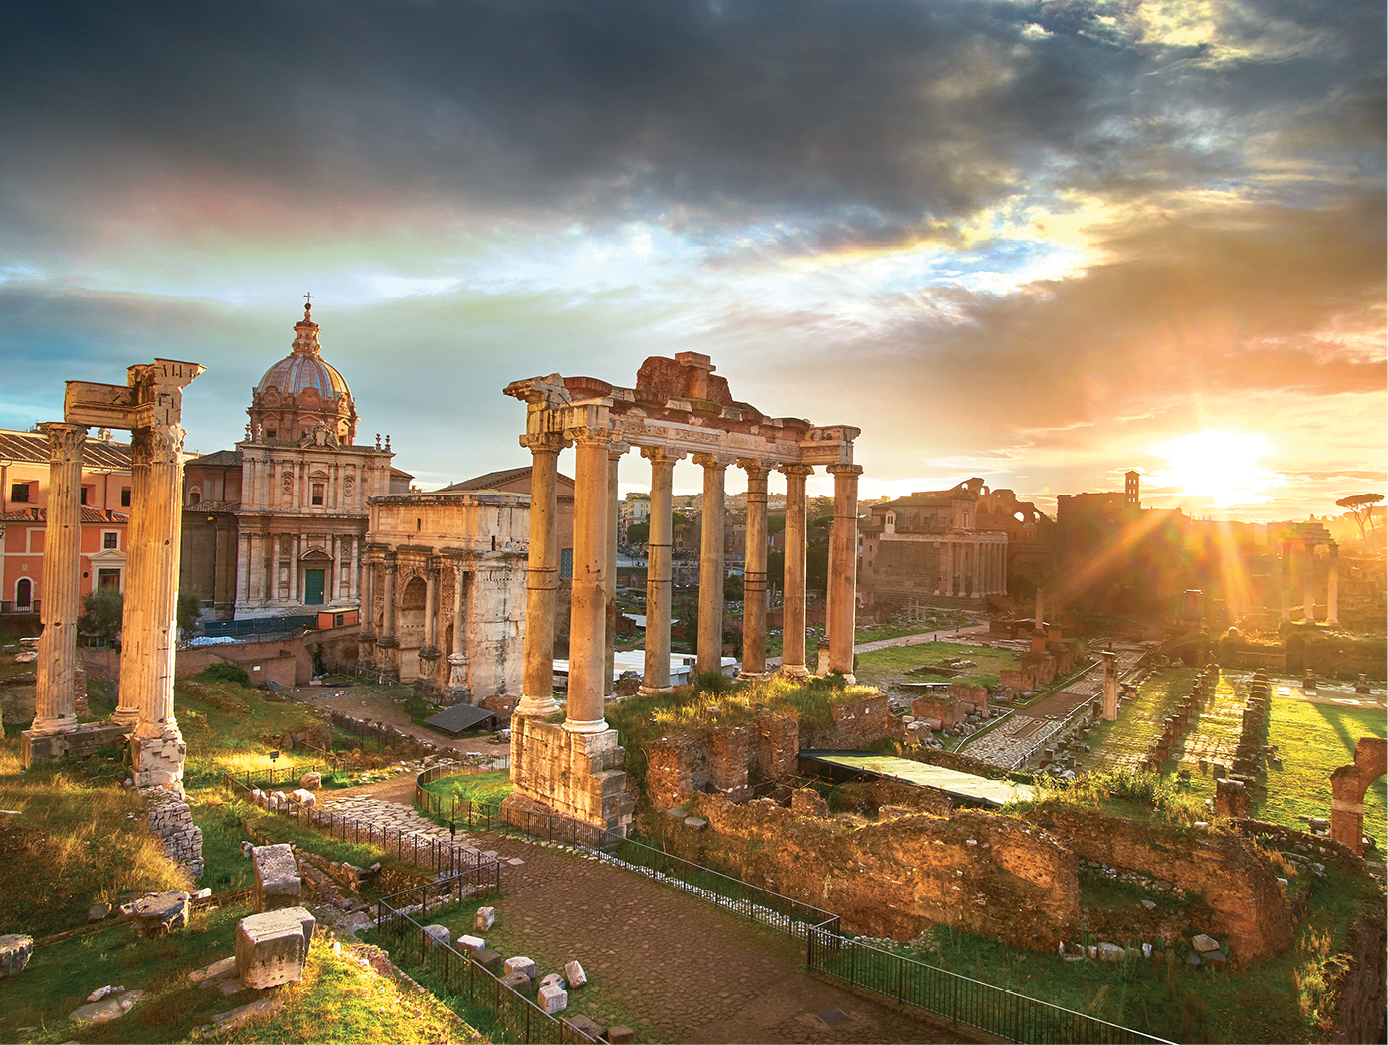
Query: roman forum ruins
[[150, 406], [678, 408]]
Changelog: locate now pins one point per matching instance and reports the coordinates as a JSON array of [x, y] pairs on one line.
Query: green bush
[[224, 672]]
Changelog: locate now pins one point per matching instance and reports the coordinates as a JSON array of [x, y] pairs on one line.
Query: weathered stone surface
[[437, 935], [517, 981], [216, 971], [97, 911], [171, 820], [239, 1015], [277, 881], [551, 979], [553, 998], [621, 1035], [1201, 942], [573, 972], [471, 943], [484, 919], [109, 1008], [521, 964], [490, 960], [14, 954], [311, 781], [304, 797], [160, 913], [588, 1028], [1110, 952], [271, 947]]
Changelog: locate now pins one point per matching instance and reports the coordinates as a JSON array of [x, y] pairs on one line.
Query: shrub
[[225, 672]]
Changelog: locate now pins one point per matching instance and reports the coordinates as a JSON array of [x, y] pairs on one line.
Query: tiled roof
[[32, 448], [219, 459], [89, 515], [396, 473], [213, 506], [494, 479]]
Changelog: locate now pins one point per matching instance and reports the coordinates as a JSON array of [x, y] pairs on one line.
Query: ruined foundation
[[576, 775]]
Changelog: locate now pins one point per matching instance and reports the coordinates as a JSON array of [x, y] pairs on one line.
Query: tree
[[101, 614], [1361, 506], [638, 533], [732, 588], [188, 612]]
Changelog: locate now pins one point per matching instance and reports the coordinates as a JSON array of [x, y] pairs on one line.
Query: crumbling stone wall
[[856, 724], [979, 872], [1234, 879], [171, 821]]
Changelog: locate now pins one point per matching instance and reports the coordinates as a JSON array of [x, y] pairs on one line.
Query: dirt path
[[684, 968]]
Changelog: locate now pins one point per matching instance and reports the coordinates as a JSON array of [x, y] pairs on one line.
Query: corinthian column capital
[[662, 455], [544, 442], [65, 442], [719, 461], [157, 444], [756, 470]]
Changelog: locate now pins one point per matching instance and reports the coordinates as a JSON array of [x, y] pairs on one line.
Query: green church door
[[313, 587]]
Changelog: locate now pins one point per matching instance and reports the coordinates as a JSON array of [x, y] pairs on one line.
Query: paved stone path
[[394, 816]]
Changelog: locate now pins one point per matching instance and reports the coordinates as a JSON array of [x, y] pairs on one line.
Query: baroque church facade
[[277, 527]]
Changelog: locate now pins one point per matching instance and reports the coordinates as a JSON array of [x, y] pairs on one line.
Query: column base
[[46, 727], [651, 691], [158, 759], [538, 707], [126, 717], [457, 695], [752, 676], [587, 725], [794, 671], [79, 742], [577, 775]]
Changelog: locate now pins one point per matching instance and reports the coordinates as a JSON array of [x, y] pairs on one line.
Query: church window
[[194, 496], [317, 493], [271, 433]]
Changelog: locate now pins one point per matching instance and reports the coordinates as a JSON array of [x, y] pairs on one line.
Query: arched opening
[[24, 594], [1347, 787], [411, 627]]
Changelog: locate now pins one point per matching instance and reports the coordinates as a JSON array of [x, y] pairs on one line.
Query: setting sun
[[1222, 466]]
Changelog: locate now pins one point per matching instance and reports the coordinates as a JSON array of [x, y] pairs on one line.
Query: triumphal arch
[[679, 408], [150, 406]]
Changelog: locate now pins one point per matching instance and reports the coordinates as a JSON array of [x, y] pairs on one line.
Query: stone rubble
[[171, 821]]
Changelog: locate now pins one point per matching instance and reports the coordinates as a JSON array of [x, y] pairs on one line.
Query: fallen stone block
[[573, 972], [551, 979], [521, 964], [471, 944], [303, 797], [586, 1027], [1110, 952], [517, 981], [621, 1035], [271, 947], [109, 1008], [218, 970], [485, 918], [278, 800], [97, 911], [1201, 942], [437, 935], [311, 781], [161, 913], [490, 960], [277, 882], [553, 998], [235, 1017]]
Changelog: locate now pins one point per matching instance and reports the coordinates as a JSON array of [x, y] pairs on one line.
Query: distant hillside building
[[931, 549]]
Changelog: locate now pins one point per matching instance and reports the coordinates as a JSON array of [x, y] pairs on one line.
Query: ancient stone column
[[457, 657], [389, 658], [1110, 686], [587, 622], [62, 568], [614, 516], [754, 573], [150, 618], [542, 576], [656, 678], [429, 653], [710, 649], [1332, 586], [843, 569], [1286, 580], [1308, 583], [793, 605], [1040, 623], [134, 679]]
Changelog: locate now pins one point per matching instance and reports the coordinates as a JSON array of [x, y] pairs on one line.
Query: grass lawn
[[893, 665], [491, 787]]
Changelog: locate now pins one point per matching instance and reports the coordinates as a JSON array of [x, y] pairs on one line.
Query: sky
[[1041, 243]]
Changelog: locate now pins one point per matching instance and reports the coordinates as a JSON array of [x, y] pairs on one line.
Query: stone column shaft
[[754, 573], [457, 656], [541, 578], [614, 515], [793, 604], [62, 567], [1308, 583], [843, 569], [1110, 707], [134, 679], [1332, 587], [658, 591], [1286, 580], [431, 605], [710, 649], [387, 643], [588, 621]]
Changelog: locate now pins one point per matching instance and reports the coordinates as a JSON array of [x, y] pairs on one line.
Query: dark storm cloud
[[867, 119]]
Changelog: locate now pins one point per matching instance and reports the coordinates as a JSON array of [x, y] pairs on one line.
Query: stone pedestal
[[271, 948], [277, 882], [577, 775], [79, 742]]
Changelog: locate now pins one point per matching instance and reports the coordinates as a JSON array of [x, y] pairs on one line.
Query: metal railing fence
[[960, 999]]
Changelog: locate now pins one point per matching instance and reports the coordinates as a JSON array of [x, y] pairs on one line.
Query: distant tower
[[1130, 490]]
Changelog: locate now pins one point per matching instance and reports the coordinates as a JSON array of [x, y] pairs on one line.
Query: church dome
[[301, 393]]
